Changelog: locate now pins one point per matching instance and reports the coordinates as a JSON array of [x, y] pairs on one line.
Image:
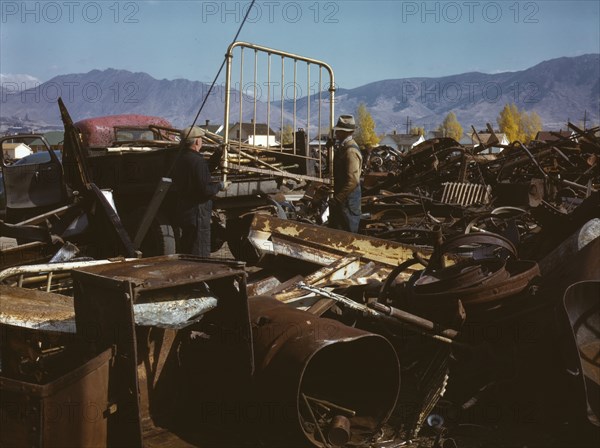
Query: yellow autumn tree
[[450, 127], [365, 136], [509, 122], [519, 125], [532, 124], [286, 135], [417, 131]]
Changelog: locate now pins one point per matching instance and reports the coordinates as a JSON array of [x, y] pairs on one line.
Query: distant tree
[[286, 135], [532, 124], [450, 127], [365, 136], [519, 125], [509, 120], [417, 131]]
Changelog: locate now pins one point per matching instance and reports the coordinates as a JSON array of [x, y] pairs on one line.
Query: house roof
[[248, 128], [404, 139], [484, 137], [214, 128], [320, 139], [550, 136]]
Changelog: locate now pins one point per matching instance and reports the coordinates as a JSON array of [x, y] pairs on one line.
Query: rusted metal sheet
[[328, 244], [165, 271], [302, 360], [28, 308]]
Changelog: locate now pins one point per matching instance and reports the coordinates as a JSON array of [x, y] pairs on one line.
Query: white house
[[257, 134], [262, 140], [12, 151], [401, 142]]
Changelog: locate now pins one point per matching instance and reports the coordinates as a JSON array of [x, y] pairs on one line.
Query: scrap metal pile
[[480, 289], [441, 189], [466, 312]]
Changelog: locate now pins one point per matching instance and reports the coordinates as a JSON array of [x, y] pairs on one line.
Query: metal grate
[[465, 194]]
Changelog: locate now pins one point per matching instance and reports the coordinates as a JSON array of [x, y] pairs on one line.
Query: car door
[[34, 182]]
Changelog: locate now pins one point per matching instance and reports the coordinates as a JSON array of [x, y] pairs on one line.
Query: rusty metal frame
[[227, 144]]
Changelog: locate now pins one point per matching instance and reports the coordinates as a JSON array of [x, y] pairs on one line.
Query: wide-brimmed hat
[[345, 123], [192, 133]]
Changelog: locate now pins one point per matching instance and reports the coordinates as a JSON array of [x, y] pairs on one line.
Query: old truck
[[129, 157]]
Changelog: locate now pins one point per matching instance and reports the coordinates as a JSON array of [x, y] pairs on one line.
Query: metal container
[[304, 361], [70, 411]]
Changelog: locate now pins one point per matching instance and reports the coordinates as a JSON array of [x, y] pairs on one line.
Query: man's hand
[[330, 143], [224, 185]]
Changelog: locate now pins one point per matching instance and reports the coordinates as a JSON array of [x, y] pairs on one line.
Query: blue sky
[[364, 41]]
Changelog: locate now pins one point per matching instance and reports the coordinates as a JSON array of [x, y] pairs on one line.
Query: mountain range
[[558, 90]]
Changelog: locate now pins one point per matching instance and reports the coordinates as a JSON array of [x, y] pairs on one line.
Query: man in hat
[[195, 190], [344, 207]]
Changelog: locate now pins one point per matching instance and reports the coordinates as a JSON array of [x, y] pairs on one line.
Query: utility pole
[[584, 119], [408, 123]]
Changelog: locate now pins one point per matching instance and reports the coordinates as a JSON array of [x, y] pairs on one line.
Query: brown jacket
[[346, 170]]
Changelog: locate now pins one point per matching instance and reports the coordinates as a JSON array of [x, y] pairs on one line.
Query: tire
[[160, 238]]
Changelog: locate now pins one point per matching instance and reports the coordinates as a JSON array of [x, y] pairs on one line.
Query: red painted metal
[[100, 132]]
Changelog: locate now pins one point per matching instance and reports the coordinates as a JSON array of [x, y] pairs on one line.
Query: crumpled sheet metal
[[298, 353], [323, 246], [38, 310], [173, 313]]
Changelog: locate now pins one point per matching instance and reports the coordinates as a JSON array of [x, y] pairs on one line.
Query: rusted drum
[[310, 370]]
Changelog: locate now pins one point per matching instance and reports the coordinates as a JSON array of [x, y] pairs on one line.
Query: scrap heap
[[468, 303]]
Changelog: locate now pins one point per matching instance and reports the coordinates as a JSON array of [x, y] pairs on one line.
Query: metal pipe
[[331, 405], [49, 282], [308, 103], [282, 94], [254, 112], [224, 160], [241, 120], [319, 125], [316, 422], [295, 127], [412, 319], [53, 267], [268, 98]]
